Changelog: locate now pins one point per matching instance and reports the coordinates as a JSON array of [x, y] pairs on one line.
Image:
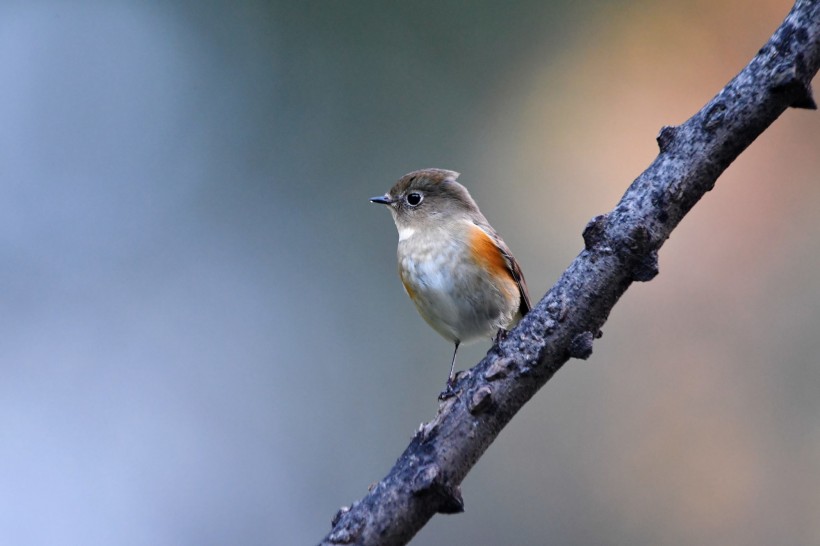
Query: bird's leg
[[501, 335], [449, 391]]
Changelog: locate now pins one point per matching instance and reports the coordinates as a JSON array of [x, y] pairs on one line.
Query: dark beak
[[383, 199]]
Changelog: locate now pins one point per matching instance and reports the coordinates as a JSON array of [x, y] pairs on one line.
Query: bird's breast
[[452, 286]]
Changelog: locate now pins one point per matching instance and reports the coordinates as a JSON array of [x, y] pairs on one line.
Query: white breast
[[406, 233]]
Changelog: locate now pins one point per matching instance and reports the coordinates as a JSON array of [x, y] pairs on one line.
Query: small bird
[[454, 266]]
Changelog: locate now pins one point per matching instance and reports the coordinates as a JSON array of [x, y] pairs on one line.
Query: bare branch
[[620, 247]]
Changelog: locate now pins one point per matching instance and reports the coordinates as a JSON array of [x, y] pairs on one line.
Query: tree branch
[[620, 247]]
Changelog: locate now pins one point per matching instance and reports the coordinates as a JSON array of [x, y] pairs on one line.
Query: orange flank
[[407, 287], [487, 254]]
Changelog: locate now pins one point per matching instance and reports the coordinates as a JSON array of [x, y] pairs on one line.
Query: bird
[[459, 273]]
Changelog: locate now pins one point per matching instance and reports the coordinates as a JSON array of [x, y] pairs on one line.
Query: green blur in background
[[204, 338]]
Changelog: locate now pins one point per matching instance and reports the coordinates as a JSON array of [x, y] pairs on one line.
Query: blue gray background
[[203, 339]]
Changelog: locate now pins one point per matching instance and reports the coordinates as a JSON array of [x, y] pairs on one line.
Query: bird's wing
[[512, 267]]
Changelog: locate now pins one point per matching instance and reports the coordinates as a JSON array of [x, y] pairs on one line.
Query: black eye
[[413, 199]]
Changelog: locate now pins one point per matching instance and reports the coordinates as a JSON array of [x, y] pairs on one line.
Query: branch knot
[[666, 137], [351, 527], [499, 369], [430, 481], [714, 115], [788, 78], [594, 232], [581, 346], [481, 400]]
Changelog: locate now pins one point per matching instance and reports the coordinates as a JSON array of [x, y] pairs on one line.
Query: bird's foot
[[450, 391]]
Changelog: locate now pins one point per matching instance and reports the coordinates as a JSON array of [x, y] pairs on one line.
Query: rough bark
[[620, 247]]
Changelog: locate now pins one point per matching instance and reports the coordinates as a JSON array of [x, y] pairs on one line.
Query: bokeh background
[[203, 339]]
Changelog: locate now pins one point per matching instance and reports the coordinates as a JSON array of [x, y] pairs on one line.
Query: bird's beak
[[383, 199]]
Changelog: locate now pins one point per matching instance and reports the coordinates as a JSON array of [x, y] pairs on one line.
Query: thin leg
[[453, 363], [449, 392]]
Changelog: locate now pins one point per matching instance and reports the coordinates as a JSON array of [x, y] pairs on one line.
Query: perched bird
[[454, 266]]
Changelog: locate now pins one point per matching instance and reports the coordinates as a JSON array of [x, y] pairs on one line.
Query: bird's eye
[[413, 199]]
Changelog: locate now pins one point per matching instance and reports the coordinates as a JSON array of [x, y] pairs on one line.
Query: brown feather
[[496, 256]]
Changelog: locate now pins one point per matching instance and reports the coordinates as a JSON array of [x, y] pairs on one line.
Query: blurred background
[[204, 340]]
